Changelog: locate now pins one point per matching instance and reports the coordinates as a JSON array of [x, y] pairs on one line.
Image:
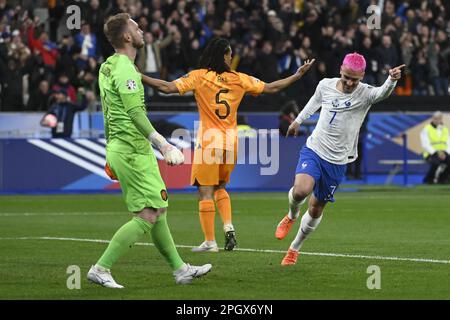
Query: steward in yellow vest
[[436, 145], [438, 138]]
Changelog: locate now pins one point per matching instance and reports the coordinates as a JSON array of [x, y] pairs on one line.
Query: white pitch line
[[322, 254]]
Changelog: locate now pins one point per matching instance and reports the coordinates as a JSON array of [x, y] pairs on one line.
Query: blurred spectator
[[388, 15], [176, 53], [149, 58], [193, 54], [17, 49], [372, 60], [275, 27], [87, 41], [244, 58], [267, 64], [4, 7], [307, 86], [95, 16], [64, 83], [388, 56], [56, 11], [435, 142], [12, 87], [313, 28], [118, 6], [66, 63], [37, 71], [39, 97], [42, 44], [438, 69], [288, 114], [64, 111], [408, 47], [325, 50], [420, 73]]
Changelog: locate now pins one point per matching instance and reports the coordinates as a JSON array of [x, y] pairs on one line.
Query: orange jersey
[[218, 98]]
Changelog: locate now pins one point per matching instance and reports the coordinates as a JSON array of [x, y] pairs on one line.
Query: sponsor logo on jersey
[[164, 195], [131, 84], [105, 70], [221, 79], [335, 103]]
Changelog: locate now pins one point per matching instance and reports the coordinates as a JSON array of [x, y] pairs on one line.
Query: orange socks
[[207, 212], [224, 205]]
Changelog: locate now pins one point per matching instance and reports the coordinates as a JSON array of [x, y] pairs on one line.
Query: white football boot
[[186, 273], [102, 277], [206, 246]]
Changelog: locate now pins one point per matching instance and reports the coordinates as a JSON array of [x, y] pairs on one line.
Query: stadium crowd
[[270, 39]]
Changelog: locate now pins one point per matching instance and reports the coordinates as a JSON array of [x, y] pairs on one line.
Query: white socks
[[181, 269], [307, 225], [100, 268], [294, 206], [228, 227]]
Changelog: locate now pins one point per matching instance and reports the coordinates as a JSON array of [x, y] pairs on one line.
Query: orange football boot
[[284, 227], [290, 258]]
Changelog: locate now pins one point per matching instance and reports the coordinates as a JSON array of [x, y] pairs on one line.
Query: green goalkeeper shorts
[[140, 180]]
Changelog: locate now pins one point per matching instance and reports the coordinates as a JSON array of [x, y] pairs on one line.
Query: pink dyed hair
[[354, 62]]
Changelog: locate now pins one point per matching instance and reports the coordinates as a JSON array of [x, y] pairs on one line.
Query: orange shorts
[[212, 166]]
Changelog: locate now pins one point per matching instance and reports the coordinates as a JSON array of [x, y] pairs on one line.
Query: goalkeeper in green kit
[[130, 157]]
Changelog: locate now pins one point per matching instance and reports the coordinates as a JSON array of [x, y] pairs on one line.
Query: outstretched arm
[[160, 85], [278, 85], [380, 93]]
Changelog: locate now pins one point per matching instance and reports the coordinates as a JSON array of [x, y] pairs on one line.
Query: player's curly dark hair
[[212, 57]]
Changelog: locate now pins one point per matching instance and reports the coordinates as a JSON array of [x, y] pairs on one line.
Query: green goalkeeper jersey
[[121, 90]]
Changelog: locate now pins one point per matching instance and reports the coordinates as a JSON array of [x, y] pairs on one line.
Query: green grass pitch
[[371, 227]]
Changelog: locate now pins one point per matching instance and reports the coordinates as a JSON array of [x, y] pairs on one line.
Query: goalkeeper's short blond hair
[[115, 27]]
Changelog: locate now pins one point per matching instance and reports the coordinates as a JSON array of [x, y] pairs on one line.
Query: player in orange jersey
[[218, 91]]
